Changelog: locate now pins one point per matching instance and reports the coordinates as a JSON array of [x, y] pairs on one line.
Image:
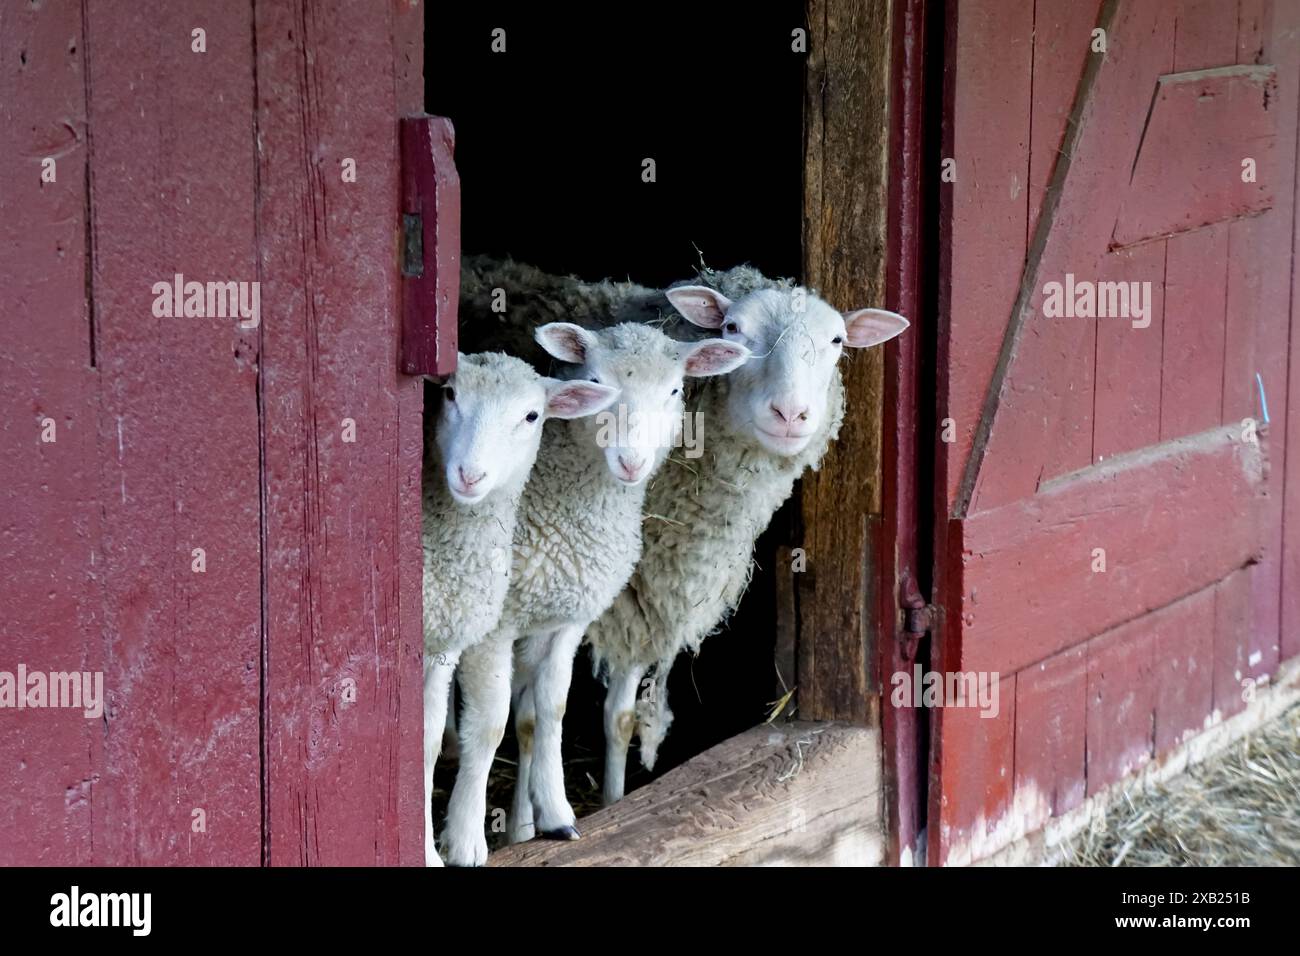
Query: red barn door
[[1109, 541], [218, 518]]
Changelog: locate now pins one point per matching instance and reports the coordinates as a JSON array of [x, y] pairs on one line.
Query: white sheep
[[766, 423], [576, 541], [487, 436]]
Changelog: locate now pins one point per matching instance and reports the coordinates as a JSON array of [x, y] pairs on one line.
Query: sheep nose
[[631, 465], [790, 411], [468, 479]]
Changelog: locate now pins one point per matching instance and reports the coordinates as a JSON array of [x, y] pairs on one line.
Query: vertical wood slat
[[1261, 309], [177, 433], [989, 139], [844, 254], [49, 602], [342, 696], [1062, 47]]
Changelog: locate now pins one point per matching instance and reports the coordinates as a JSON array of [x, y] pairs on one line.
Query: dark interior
[[550, 139]]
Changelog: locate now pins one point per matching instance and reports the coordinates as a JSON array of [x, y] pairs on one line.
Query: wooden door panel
[[1094, 434], [1009, 456], [1169, 520]]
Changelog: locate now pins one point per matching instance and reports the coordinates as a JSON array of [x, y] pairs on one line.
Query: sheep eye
[[838, 340], [676, 390], [731, 327], [530, 417], [449, 393]]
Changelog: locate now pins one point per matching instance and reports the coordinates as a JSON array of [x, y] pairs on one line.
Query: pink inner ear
[[576, 399], [714, 358], [563, 342], [700, 305], [868, 327]]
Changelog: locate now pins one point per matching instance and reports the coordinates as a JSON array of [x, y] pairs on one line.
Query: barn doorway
[[552, 167]]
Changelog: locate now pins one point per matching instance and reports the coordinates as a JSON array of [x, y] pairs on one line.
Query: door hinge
[[918, 617]]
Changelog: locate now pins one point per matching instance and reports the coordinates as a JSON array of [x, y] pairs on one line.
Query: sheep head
[[648, 369], [490, 424], [795, 339]]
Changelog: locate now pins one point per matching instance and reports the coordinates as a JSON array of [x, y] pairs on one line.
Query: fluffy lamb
[[487, 436], [576, 541], [766, 424]]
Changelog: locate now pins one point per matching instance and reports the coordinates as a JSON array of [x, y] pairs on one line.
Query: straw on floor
[[1239, 808]]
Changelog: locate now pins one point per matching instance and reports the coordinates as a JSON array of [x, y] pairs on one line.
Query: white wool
[[703, 515], [467, 547]]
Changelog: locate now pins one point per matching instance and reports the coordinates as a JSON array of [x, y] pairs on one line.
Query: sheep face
[[796, 340], [490, 424], [648, 369]]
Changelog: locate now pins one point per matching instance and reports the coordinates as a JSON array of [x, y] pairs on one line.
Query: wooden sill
[[786, 794]]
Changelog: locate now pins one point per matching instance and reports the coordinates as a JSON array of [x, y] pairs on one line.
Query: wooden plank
[[1062, 46], [907, 434], [844, 254], [1259, 333], [976, 788], [1289, 641], [1051, 728], [1028, 567], [1191, 390], [50, 615], [1121, 703], [177, 436], [1126, 413], [787, 794], [1232, 667], [1008, 458], [989, 115], [1188, 168], [1196, 262], [1184, 669], [343, 648]]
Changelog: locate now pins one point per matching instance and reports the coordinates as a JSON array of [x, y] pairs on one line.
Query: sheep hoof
[[562, 833]]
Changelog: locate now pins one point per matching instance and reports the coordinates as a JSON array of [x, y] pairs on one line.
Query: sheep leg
[[620, 721], [449, 745], [485, 707], [555, 817], [438, 671], [521, 811]]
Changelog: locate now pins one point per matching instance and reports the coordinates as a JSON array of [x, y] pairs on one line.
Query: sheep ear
[[700, 305], [715, 357], [868, 327], [566, 341], [576, 399]]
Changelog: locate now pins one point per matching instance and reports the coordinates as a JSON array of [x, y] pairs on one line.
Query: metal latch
[[918, 616]]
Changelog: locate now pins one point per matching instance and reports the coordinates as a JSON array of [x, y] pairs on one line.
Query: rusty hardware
[[918, 616]]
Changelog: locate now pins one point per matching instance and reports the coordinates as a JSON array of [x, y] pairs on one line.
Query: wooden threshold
[[802, 793]]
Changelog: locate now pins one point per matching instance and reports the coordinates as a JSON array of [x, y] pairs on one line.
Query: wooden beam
[[845, 205], [797, 793]]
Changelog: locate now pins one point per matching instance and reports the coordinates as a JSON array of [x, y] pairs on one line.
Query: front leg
[[438, 671], [485, 706], [555, 817]]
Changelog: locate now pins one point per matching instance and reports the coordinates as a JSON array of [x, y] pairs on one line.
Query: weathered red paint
[[1135, 659], [49, 605], [431, 192], [183, 433], [343, 647], [900, 488], [1202, 125]]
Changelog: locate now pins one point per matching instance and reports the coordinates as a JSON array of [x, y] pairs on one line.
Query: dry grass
[[1240, 808]]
